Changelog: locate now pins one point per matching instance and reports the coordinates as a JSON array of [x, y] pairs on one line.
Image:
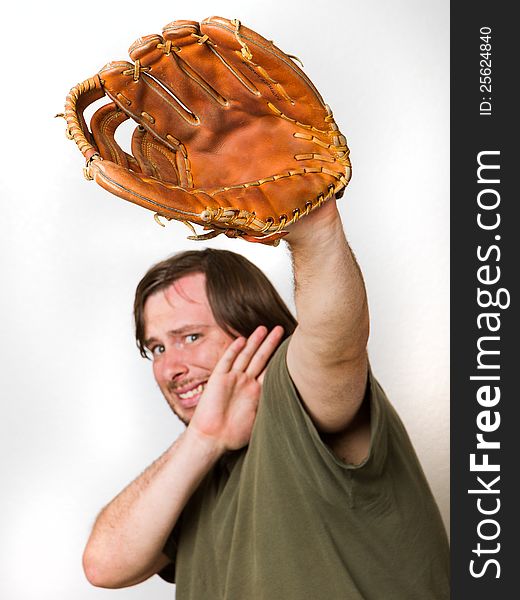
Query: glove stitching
[[74, 128], [245, 81], [147, 148], [110, 140], [245, 52], [280, 114], [187, 165], [190, 72], [323, 157], [279, 54], [338, 140], [167, 47], [157, 89], [149, 200], [136, 71], [266, 79], [222, 216], [202, 39], [292, 173]]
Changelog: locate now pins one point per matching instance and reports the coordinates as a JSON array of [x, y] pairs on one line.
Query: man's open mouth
[[191, 393]]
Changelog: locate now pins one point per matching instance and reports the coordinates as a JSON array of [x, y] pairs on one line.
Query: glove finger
[[278, 78], [103, 124], [155, 159], [199, 52], [147, 102], [165, 63], [165, 199]]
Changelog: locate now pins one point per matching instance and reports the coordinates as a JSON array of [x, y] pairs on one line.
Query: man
[[294, 478]]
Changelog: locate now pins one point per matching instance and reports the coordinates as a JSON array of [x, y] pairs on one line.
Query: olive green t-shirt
[[285, 519]]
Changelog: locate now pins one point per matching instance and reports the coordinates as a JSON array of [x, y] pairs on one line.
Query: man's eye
[[192, 337], [155, 350]]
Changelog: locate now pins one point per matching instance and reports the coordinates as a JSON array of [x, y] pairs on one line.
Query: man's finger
[[227, 360], [260, 378], [264, 352], [253, 343]]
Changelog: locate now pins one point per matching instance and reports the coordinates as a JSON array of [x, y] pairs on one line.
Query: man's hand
[[227, 409], [127, 540]]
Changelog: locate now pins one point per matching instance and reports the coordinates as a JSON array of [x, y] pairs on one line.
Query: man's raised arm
[[327, 354]]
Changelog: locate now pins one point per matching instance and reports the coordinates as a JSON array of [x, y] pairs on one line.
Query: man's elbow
[[336, 354], [98, 571], [106, 568]]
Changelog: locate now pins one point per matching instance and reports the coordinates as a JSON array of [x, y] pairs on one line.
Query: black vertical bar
[[484, 123]]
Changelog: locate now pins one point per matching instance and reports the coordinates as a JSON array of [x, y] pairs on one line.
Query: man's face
[[186, 343]]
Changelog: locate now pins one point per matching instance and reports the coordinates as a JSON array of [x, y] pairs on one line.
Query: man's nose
[[173, 365]]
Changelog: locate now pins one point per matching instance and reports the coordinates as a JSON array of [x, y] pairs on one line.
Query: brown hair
[[239, 294]]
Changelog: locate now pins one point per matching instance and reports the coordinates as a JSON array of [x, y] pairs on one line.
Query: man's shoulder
[[277, 379], [279, 359]]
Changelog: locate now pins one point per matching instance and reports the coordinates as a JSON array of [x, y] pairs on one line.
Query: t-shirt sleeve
[[283, 413], [170, 550]]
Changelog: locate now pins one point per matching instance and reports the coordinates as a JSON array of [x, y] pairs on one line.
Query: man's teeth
[[193, 392]]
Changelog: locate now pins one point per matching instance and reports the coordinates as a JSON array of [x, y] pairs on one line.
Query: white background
[[80, 414]]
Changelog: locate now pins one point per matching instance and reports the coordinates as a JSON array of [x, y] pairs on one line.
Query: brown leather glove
[[231, 133]]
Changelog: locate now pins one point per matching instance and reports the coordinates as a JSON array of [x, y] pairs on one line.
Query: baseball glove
[[231, 134]]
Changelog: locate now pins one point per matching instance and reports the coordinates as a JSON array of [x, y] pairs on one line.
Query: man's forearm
[[130, 533], [330, 294]]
